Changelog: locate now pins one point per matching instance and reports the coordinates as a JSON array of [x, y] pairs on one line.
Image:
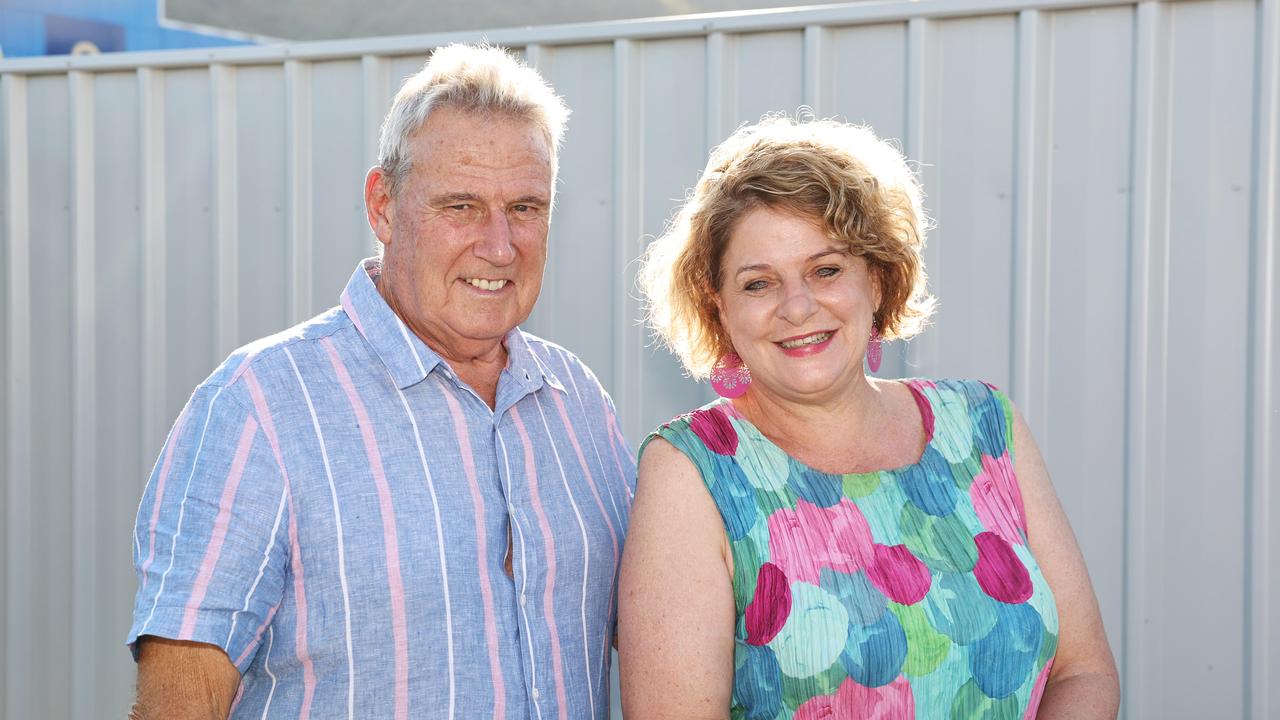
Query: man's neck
[[480, 373]]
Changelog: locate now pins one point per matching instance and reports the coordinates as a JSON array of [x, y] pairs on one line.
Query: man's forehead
[[451, 124]]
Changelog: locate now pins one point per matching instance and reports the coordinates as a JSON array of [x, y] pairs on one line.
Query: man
[[404, 507]]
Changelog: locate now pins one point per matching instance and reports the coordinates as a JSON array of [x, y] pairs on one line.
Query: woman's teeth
[[483, 284], [810, 340]]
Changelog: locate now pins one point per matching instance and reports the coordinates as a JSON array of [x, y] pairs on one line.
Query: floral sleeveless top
[[901, 593]]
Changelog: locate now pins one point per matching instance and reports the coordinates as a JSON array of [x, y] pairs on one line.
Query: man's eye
[[460, 207], [522, 208]]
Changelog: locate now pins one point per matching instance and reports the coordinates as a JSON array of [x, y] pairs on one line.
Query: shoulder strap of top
[[989, 411], [700, 435]]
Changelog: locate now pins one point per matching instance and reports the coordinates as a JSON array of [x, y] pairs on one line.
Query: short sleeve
[[621, 449], [210, 541]]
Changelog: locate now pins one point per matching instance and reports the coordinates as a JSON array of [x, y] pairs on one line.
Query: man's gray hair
[[479, 79]]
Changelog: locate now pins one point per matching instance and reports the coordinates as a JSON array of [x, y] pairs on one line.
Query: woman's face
[[796, 305]]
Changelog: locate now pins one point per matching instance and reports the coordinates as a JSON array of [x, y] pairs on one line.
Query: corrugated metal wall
[[1103, 174]]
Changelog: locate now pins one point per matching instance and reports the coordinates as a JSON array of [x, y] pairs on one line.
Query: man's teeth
[[487, 284], [810, 340]]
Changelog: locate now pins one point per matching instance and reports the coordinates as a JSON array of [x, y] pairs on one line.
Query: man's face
[[465, 235]]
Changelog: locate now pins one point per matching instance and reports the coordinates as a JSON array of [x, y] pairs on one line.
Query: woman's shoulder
[[948, 391], [704, 429], [975, 409]]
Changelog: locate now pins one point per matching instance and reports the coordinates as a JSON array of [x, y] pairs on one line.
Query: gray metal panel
[[117, 381], [7, 476], [972, 129], [263, 300], [1207, 348], [191, 260], [869, 64], [17, 443], [769, 67], [50, 585], [342, 235], [580, 247], [1082, 306], [1262, 642], [401, 67], [673, 154]]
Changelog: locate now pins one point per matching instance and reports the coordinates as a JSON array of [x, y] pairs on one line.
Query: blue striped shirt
[[332, 508]]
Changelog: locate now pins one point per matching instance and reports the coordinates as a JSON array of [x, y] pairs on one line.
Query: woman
[[818, 542]]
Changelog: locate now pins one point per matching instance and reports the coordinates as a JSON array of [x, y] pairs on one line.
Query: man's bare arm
[[182, 680]]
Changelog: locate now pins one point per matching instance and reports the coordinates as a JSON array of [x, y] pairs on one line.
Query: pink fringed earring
[[729, 377], [875, 350]]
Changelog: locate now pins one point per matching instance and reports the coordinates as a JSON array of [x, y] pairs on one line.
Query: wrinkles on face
[[796, 304], [466, 248]]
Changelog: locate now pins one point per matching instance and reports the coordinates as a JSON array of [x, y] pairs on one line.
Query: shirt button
[[523, 600], [511, 508], [536, 694]]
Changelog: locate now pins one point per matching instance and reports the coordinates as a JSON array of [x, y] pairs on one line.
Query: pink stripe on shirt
[[161, 480], [295, 552], [482, 553], [214, 549], [395, 581], [351, 311], [549, 543]]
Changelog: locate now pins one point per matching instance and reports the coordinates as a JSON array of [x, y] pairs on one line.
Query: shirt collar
[[524, 364], [405, 356]]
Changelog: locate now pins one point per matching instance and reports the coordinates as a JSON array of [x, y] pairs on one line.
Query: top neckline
[[924, 410]]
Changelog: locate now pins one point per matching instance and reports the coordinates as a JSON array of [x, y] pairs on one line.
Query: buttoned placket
[[499, 417]]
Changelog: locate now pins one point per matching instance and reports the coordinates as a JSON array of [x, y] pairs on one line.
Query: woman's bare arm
[[675, 606], [1083, 683]]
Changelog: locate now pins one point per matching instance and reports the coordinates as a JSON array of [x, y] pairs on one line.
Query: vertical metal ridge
[[722, 87], [297, 83], [154, 260], [226, 208], [1031, 238], [628, 204], [1262, 635], [376, 85], [535, 55], [84, 479], [819, 76], [547, 309], [1147, 360], [919, 147], [18, 641]]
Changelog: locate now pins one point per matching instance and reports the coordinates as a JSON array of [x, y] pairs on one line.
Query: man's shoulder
[[268, 351]]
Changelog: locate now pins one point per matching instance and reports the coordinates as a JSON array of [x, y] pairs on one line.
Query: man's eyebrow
[[530, 200], [454, 198]]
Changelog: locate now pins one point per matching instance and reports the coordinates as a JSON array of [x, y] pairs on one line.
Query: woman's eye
[[755, 285], [828, 271]]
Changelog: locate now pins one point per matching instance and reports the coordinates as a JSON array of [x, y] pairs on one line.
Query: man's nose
[[798, 303], [495, 244]]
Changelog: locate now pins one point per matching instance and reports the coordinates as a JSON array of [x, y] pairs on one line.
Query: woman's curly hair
[[856, 186]]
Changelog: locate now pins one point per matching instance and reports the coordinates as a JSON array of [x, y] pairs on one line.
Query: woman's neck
[[860, 429]]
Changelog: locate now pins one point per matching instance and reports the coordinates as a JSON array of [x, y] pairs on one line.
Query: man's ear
[[378, 206]]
